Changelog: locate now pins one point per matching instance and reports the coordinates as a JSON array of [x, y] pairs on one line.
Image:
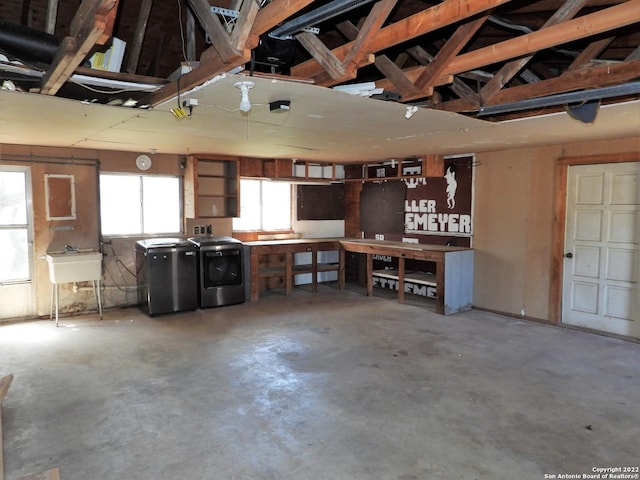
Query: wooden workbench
[[454, 265], [454, 269]]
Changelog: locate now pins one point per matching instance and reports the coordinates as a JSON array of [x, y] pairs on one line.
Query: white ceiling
[[322, 125]]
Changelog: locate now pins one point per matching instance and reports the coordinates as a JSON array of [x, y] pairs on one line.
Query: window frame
[[140, 206], [261, 229]]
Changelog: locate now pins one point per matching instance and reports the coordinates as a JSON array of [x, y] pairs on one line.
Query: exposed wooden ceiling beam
[[592, 51], [426, 80], [211, 65], [405, 87], [276, 12], [244, 24], [93, 23], [581, 79], [568, 10], [587, 25], [211, 24], [383, 63], [325, 57], [582, 27], [368, 31], [138, 37], [441, 15]]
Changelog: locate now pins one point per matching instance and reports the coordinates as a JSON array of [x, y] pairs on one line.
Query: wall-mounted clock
[[143, 162]]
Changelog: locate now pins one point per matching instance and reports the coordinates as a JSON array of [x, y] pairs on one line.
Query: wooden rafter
[[389, 68], [592, 51], [138, 37], [325, 57], [582, 27], [211, 24], [341, 71], [458, 86], [211, 64], [431, 19], [584, 78], [368, 31], [244, 24], [462, 35], [568, 10], [276, 12], [92, 24], [587, 25]]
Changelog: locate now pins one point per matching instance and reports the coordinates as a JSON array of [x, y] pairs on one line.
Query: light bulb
[[245, 104]]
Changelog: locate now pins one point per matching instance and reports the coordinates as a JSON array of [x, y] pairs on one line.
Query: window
[[139, 204], [264, 205], [14, 226]]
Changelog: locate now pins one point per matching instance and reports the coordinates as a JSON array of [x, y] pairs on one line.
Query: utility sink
[[74, 266]]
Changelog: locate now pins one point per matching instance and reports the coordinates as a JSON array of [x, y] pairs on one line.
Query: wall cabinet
[[212, 187]]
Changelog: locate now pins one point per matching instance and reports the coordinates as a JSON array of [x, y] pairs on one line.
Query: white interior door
[[602, 260], [16, 287]]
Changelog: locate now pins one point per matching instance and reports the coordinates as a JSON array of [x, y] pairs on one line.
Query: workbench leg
[[369, 274], [314, 270], [400, 279], [341, 269], [440, 287], [254, 279], [288, 272]]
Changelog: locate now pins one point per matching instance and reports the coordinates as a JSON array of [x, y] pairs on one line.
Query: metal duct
[[563, 99], [27, 44], [320, 14]]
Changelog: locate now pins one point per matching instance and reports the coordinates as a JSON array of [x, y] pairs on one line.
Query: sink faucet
[[70, 249]]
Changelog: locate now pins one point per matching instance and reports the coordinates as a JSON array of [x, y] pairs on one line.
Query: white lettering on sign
[[438, 222], [409, 287], [424, 206]]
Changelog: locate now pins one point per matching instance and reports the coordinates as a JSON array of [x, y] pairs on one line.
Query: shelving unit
[[212, 187]]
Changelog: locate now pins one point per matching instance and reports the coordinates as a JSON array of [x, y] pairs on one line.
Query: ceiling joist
[[431, 19], [92, 24], [568, 10]]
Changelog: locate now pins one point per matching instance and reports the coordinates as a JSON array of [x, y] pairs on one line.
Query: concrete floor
[[332, 385]]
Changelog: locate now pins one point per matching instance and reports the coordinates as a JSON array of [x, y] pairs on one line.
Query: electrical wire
[[184, 51]]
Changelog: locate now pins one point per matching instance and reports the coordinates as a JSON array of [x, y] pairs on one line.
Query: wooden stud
[[433, 165]]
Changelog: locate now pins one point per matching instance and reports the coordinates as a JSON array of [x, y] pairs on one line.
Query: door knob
[[568, 255]]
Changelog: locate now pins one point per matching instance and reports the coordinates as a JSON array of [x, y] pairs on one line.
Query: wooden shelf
[[212, 187]]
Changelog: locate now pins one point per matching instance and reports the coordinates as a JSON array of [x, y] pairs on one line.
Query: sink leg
[[97, 293], [51, 302], [57, 294]]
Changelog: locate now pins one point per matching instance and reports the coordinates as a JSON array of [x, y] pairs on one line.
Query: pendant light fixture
[[245, 103]]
